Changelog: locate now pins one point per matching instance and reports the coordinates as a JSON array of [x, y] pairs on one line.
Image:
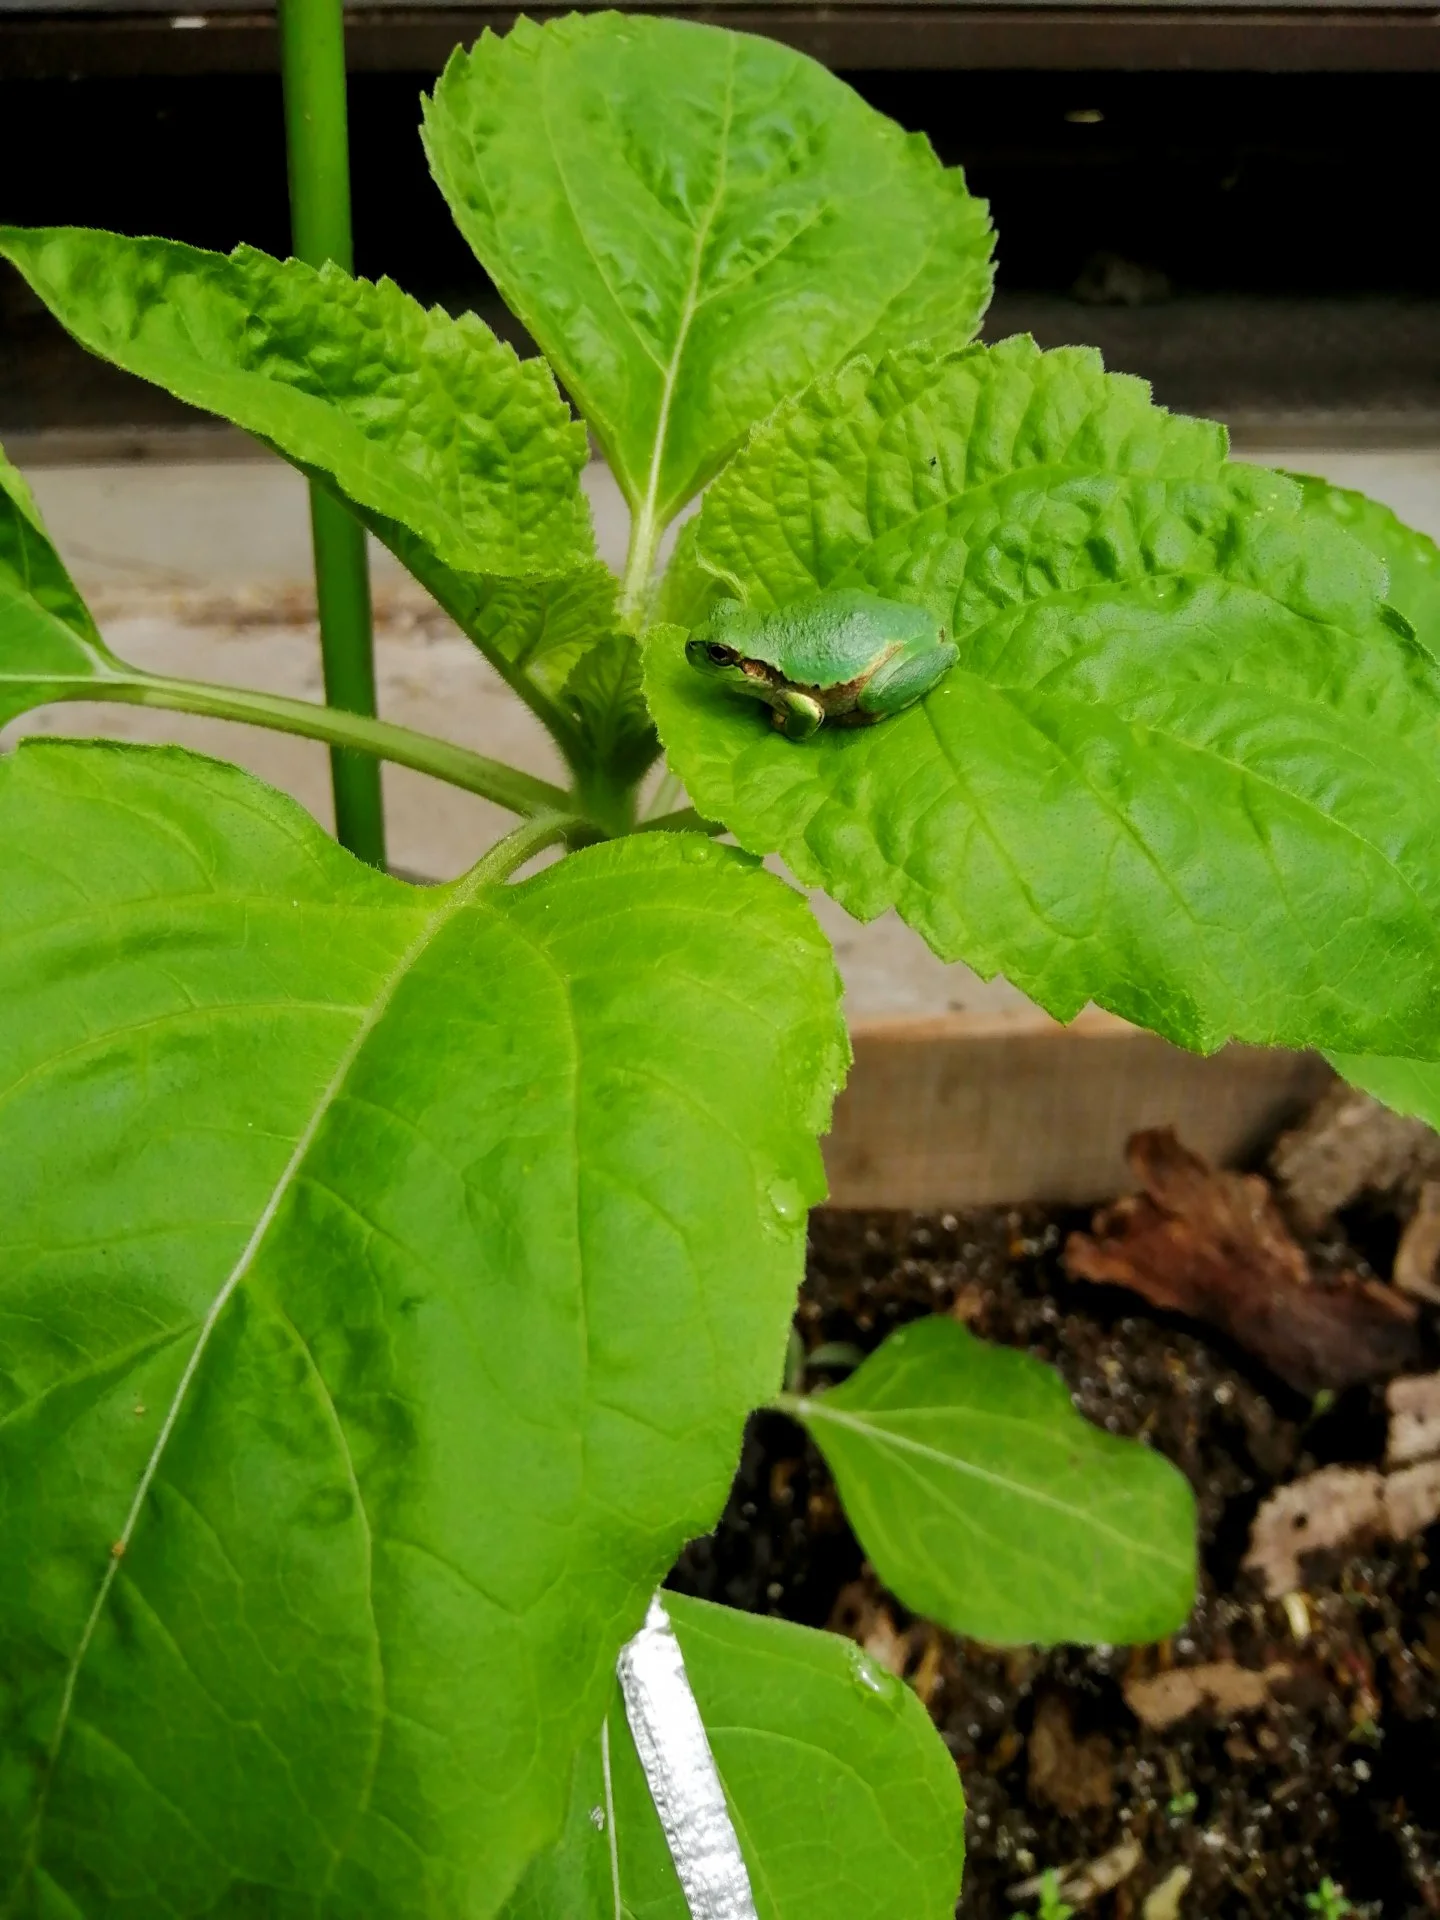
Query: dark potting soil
[[1336, 1774]]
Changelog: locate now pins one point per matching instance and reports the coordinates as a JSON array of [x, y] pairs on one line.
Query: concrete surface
[[200, 569]]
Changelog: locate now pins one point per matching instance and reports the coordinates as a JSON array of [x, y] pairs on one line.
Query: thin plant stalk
[[312, 58]]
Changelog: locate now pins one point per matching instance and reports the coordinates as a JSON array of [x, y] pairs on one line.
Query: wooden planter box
[[966, 1109]]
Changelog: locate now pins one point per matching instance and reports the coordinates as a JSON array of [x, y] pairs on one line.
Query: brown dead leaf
[[1220, 1688], [1347, 1145], [1215, 1246], [1414, 1407], [1065, 1772]]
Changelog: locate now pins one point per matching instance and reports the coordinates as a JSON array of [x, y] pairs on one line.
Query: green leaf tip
[[693, 223], [1185, 767], [987, 1503]]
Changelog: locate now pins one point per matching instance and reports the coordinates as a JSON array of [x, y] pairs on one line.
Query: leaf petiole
[[493, 780], [524, 842], [683, 820]]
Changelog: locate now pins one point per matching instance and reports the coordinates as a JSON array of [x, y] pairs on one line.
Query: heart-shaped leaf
[[1187, 763], [844, 1799], [385, 1275], [694, 223], [987, 1503]]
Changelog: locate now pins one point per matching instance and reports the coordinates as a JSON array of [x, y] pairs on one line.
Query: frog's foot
[[899, 684], [796, 715]]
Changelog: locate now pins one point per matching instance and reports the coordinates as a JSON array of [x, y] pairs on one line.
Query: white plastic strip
[[670, 1738]]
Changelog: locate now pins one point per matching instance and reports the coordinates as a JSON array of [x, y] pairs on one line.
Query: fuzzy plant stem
[[312, 59]]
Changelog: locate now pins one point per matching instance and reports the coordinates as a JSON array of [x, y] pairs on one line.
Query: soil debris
[[1164, 1902], [1413, 1404], [1337, 1508], [1215, 1247], [1347, 1145], [1419, 1250], [1219, 1687], [1064, 1771], [1080, 1888]]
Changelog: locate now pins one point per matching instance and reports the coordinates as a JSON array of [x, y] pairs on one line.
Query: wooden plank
[[933, 34], [969, 1109]]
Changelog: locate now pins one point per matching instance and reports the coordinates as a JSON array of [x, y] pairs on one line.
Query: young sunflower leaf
[[987, 1503], [46, 632], [843, 1797], [324, 1195], [459, 456], [606, 699], [694, 223], [1186, 764]]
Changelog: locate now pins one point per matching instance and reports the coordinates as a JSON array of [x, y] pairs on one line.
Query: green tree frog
[[844, 656]]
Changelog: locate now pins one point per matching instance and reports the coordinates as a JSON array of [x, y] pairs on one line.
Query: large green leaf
[[461, 457], [694, 223], [987, 1503], [46, 632], [844, 1799], [1187, 763], [1411, 558], [385, 1274]]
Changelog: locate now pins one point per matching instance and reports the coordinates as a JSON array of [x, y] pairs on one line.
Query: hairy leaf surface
[[694, 223], [1187, 763], [385, 1275], [987, 1503], [844, 1798]]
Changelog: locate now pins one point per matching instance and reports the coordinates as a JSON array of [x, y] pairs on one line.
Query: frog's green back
[[831, 638]]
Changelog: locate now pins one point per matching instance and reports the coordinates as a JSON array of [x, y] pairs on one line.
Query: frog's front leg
[[906, 679], [796, 714]]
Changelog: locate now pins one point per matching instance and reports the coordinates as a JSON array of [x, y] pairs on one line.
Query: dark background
[[1252, 242]]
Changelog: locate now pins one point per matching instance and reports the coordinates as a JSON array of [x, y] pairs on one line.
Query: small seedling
[[1181, 1805], [1329, 1901]]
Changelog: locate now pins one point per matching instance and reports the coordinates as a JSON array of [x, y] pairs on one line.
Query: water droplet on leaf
[[696, 850], [787, 1199]]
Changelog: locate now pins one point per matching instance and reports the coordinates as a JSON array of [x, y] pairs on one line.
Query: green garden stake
[[312, 58]]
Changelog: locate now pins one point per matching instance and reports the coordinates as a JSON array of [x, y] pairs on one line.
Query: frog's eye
[[722, 656]]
